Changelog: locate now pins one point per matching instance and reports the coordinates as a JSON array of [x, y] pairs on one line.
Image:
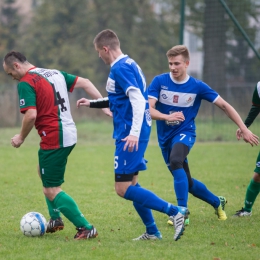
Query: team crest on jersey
[[175, 99], [258, 164], [22, 102], [164, 96], [148, 117]]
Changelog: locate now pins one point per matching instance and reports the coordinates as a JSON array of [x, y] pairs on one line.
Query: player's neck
[[114, 55]]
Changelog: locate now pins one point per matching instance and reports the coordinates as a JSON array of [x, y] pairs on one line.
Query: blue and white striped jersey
[[125, 75], [175, 96]]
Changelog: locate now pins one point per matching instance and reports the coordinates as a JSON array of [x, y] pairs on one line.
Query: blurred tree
[[226, 52], [9, 29], [62, 33]]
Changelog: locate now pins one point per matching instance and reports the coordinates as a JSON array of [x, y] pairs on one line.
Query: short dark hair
[[107, 38], [14, 56]]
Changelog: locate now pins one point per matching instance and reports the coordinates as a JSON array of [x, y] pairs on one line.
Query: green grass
[[225, 168]]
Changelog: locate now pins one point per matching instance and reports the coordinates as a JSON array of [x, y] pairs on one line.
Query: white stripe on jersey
[[110, 87], [177, 99], [57, 80]]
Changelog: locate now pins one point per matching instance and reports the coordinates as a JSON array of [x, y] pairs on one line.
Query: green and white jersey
[[46, 90]]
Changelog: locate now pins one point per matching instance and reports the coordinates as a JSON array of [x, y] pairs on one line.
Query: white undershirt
[[138, 105]]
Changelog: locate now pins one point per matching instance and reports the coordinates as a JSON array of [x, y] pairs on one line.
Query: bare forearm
[[234, 116], [88, 87], [156, 115], [27, 125]]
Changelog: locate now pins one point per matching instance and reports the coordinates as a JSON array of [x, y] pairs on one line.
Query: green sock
[[251, 194], [70, 210], [54, 213]]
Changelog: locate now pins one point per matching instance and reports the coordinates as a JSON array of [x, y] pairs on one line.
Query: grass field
[[225, 168]]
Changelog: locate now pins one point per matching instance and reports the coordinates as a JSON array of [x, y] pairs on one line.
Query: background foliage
[[59, 34]]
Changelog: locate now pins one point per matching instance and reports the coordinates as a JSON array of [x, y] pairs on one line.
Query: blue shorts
[[185, 138], [129, 162]]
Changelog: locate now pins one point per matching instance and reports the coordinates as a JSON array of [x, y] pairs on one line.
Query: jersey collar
[[179, 82], [117, 59]]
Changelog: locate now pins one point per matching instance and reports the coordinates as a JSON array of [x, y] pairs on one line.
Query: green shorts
[[257, 169], [52, 164]]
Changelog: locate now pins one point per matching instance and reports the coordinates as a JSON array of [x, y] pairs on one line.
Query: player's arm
[[96, 103], [138, 107], [157, 115], [27, 125], [92, 91], [248, 136]]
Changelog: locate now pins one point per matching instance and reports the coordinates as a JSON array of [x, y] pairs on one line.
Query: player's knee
[[175, 163], [120, 188]]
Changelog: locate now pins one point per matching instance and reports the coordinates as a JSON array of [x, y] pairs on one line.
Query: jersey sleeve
[[126, 78], [27, 96], [154, 89], [207, 93], [70, 80]]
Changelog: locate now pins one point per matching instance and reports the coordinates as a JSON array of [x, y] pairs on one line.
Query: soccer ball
[[33, 224]]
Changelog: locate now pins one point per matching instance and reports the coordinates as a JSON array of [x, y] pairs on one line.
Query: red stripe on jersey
[[47, 121], [23, 110]]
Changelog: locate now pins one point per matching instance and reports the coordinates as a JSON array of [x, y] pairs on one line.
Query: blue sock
[[149, 200], [146, 216], [200, 191], [181, 186]]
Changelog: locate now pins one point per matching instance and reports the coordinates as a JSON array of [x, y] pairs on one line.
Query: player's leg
[[251, 192], [54, 214], [127, 162], [200, 191], [52, 169], [152, 232], [178, 154]]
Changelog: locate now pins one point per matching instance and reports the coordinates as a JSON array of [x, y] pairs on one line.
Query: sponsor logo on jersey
[[22, 102], [164, 87], [258, 164], [188, 100], [110, 87], [175, 98], [164, 96]]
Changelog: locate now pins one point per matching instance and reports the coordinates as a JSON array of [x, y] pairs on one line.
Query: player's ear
[[16, 65], [187, 63], [105, 48]]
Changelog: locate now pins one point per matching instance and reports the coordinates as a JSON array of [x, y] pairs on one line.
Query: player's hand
[[176, 116], [239, 134], [131, 143], [83, 102], [107, 112], [16, 141], [249, 137]]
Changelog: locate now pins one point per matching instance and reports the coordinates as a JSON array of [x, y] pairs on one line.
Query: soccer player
[[254, 185], [175, 99], [128, 101], [44, 101]]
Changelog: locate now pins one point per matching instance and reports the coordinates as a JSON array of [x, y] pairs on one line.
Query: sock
[[146, 216], [70, 210], [251, 194], [199, 190], [54, 213], [149, 200], [181, 186]]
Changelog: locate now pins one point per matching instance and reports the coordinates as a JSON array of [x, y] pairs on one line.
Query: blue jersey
[[172, 97], [124, 75]]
